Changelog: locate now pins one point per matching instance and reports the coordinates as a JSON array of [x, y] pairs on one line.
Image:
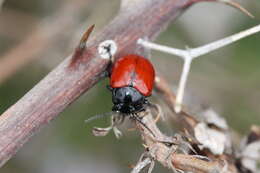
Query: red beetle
[[131, 82]]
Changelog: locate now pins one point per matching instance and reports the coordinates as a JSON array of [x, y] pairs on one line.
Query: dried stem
[[141, 165], [165, 90], [179, 161]]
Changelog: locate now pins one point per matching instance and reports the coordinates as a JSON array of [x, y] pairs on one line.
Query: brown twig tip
[[227, 2], [237, 6], [84, 38], [82, 45]]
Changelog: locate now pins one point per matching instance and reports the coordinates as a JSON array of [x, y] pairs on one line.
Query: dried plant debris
[[212, 139], [116, 120], [250, 151], [250, 156], [211, 117]]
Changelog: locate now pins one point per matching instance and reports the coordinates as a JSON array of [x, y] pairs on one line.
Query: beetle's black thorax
[[128, 100]]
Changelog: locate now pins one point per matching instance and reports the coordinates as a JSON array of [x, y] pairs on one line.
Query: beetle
[[131, 82]]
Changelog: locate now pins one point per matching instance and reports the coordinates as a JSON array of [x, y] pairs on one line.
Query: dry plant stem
[[45, 33], [184, 162], [189, 54], [141, 165], [231, 3], [63, 85], [165, 90]]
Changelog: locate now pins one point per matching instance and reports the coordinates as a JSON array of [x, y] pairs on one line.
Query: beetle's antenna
[[98, 116], [135, 117]]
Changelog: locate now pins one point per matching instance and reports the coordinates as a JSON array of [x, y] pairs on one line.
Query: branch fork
[[190, 54]]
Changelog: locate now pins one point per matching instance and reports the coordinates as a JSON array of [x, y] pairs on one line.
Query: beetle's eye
[[118, 96]]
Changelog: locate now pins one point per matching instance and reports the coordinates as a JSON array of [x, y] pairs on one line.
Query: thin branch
[[237, 6], [232, 4], [141, 165], [165, 90], [182, 84], [190, 54], [202, 50], [64, 85]]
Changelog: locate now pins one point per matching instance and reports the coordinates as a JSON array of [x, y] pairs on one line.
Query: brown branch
[[62, 86], [184, 117]]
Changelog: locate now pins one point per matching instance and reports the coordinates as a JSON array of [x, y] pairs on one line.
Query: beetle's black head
[[128, 100]]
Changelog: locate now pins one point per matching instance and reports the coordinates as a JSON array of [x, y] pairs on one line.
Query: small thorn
[[237, 6], [84, 38], [81, 47]]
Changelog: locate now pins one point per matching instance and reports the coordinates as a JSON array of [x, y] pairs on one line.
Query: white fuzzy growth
[[212, 117], [250, 156], [105, 46], [209, 138]]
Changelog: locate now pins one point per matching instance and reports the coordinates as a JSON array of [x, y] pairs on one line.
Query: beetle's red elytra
[[131, 81], [135, 71]]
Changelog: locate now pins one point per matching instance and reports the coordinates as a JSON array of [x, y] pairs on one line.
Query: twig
[[191, 53], [63, 85], [232, 4], [141, 165], [165, 90]]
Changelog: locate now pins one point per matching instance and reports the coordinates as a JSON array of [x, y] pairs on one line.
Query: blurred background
[[36, 35]]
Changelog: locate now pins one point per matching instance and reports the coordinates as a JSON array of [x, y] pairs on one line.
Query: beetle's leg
[[139, 120], [159, 111], [159, 114]]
